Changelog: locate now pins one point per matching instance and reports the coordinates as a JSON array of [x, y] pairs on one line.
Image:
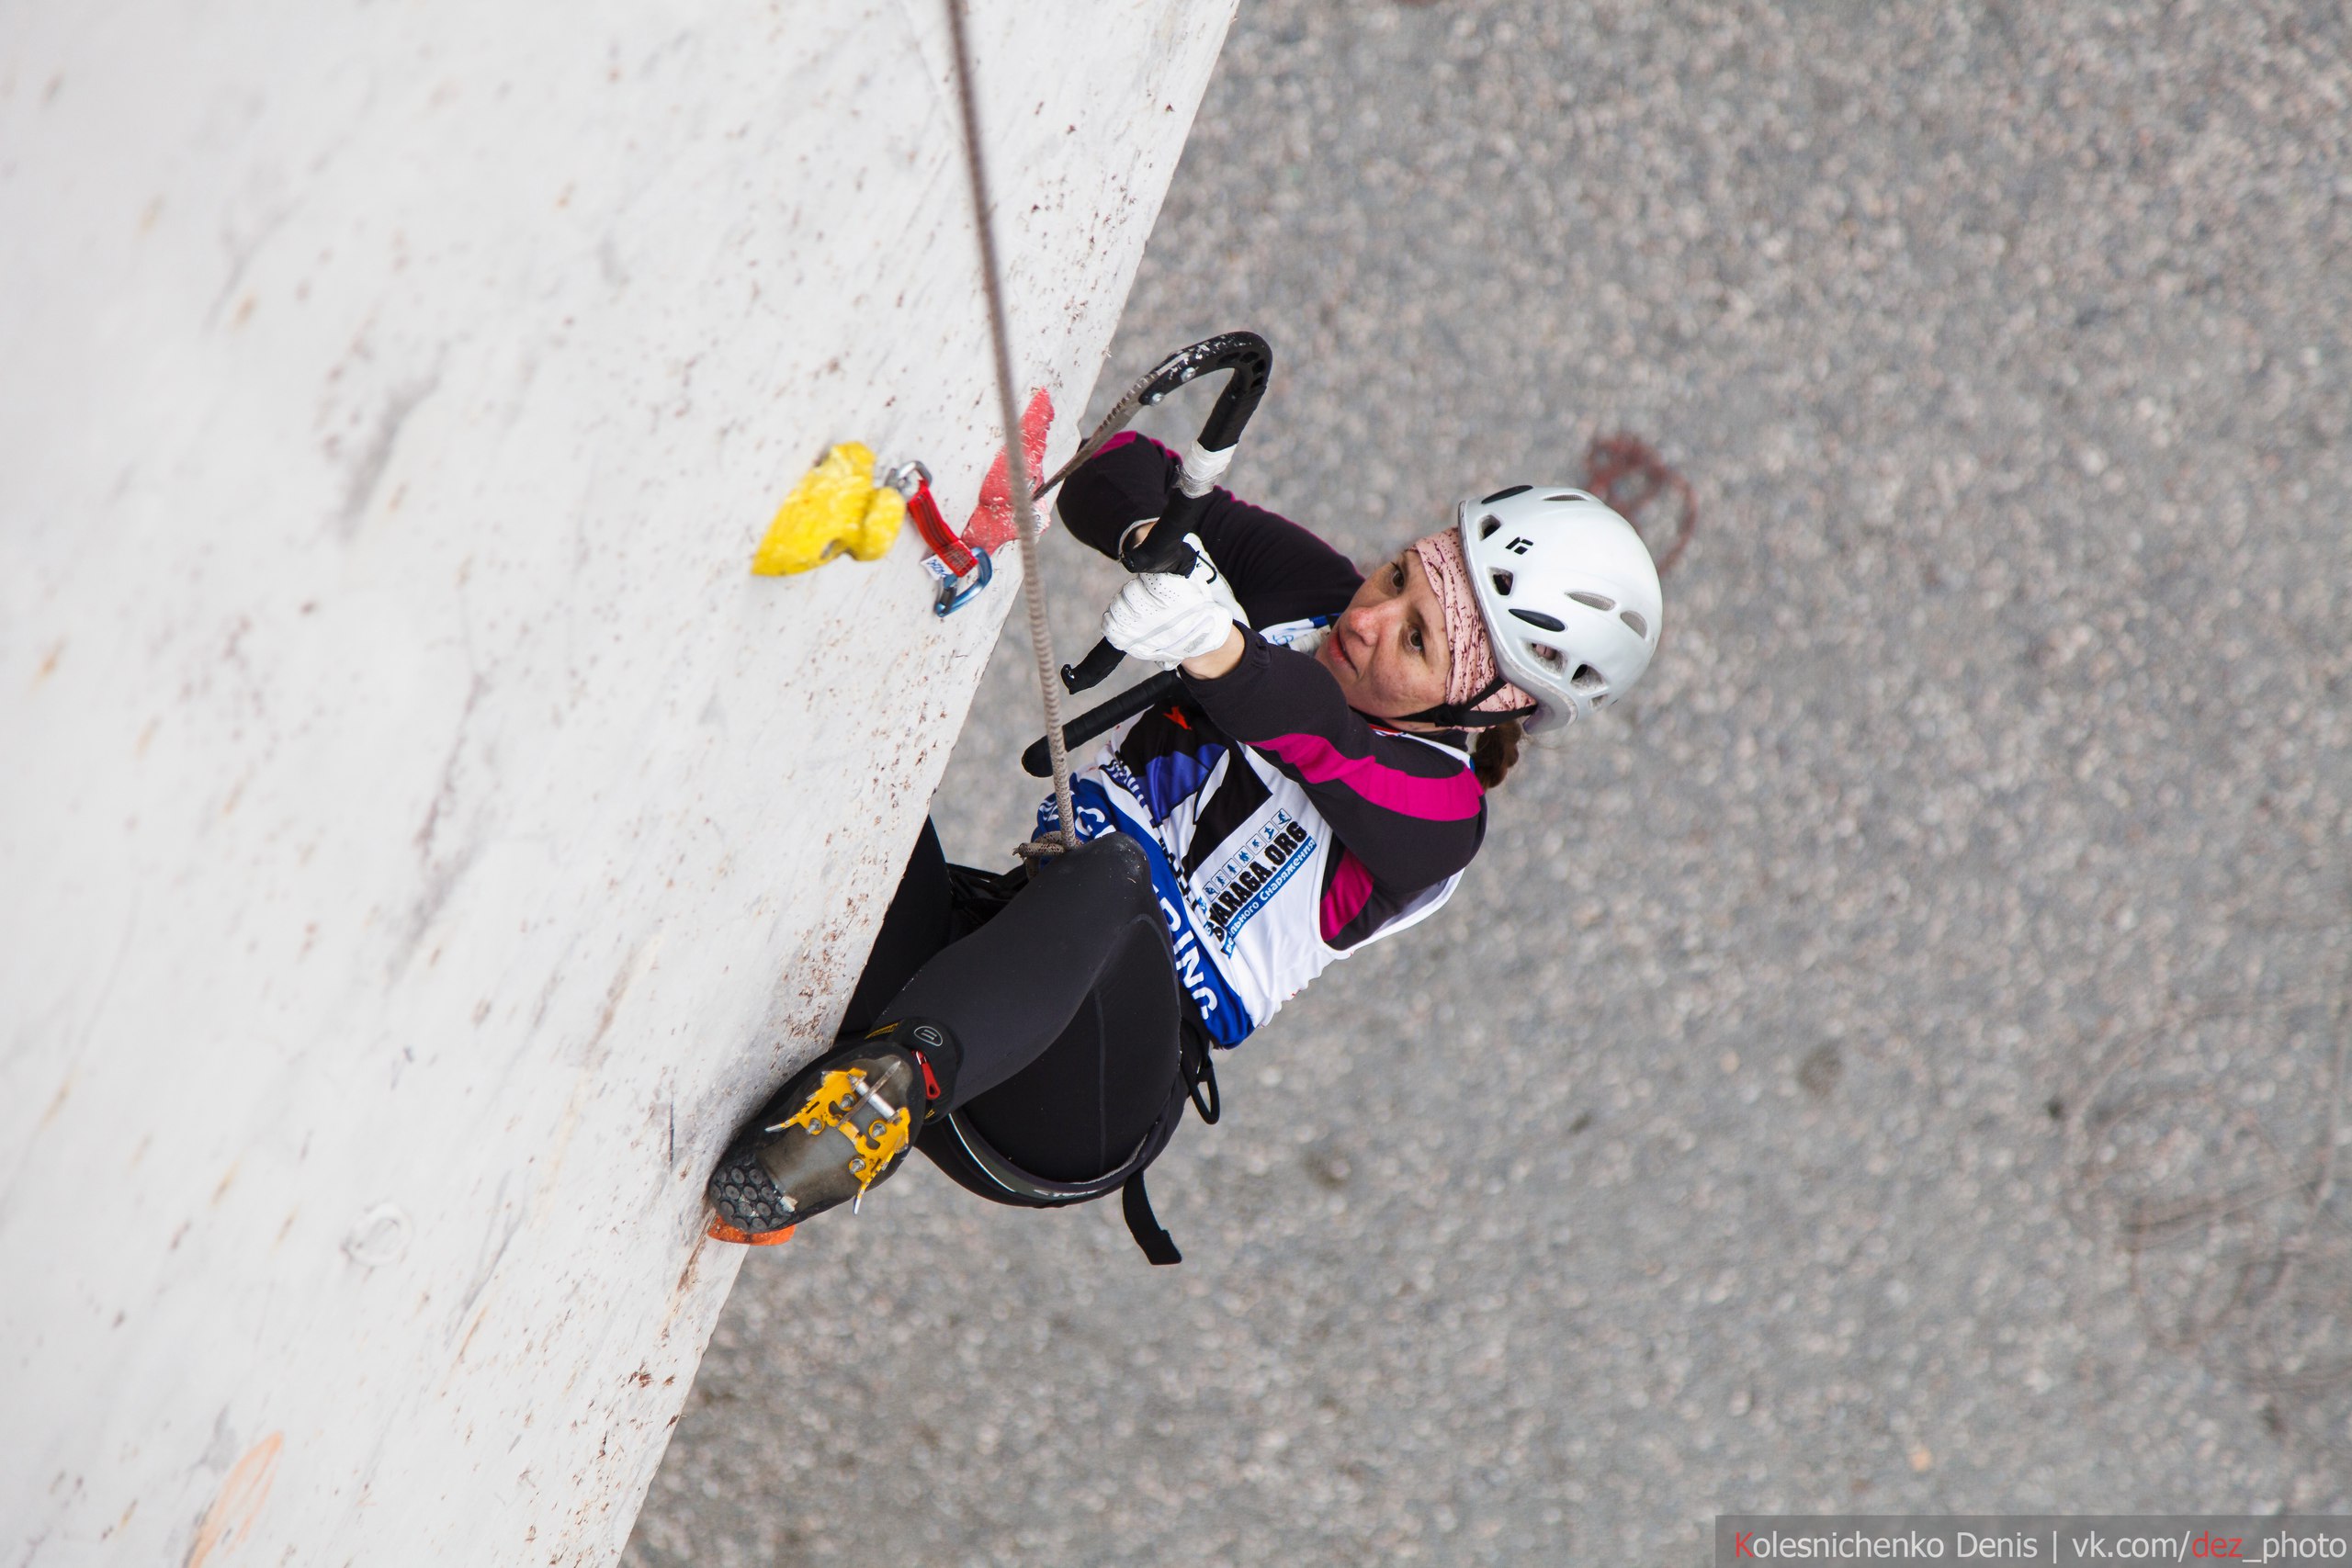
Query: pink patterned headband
[[1473, 656]]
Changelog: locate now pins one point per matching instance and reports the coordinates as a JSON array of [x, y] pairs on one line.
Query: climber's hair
[[1495, 752]]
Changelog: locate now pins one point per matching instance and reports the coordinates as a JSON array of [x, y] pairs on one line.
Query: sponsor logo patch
[[1252, 874]]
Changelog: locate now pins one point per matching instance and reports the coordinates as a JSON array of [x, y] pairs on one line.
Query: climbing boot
[[844, 1123]]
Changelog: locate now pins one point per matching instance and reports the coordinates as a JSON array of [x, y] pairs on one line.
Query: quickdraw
[[960, 570]]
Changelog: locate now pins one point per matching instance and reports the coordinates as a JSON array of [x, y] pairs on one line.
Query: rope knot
[[1043, 847]]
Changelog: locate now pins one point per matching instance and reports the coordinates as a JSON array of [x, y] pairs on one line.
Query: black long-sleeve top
[[1407, 815]]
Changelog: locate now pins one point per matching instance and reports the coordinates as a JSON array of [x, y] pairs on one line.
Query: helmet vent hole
[[1502, 581], [1595, 601], [1487, 525], [1538, 618], [1634, 619], [1506, 494], [1549, 657], [1589, 682], [1568, 495]]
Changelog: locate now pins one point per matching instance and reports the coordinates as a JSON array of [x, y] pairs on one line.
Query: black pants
[[1066, 1002]]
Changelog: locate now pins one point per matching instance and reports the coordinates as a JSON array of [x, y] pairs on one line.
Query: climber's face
[[1387, 648]]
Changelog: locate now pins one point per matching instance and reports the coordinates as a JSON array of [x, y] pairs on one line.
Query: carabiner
[[953, 592]]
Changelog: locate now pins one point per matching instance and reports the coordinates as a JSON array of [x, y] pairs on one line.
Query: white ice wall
[[421, 839]]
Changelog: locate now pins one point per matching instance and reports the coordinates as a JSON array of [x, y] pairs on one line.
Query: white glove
[[1167, 618]]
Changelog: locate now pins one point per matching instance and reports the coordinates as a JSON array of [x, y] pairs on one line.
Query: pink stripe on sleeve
[[1450, 799], [1344, 899], [1129, 437]]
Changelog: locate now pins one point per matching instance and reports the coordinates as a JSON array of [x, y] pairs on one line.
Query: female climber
[[1320, 783]]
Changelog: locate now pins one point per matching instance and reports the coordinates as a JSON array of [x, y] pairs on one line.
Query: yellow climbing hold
[[835, 507]]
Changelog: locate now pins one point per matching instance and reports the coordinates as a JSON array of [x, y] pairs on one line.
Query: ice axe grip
[[1037, 761], [1163, 551], [1093, 669]]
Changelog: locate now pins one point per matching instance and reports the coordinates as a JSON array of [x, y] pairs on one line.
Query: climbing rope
[[1016, 456]]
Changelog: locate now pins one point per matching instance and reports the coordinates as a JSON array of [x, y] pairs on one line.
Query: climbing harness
[[967, 1158]]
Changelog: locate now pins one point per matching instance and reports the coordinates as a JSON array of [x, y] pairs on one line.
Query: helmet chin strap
[[1464, 715]]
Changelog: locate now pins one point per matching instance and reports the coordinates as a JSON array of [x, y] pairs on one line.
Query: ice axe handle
[[1250, 363], [1093, 669], [1160, 550], [1164, 549], [1037, 761]]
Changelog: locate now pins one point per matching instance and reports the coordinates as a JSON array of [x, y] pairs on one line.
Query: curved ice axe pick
[[1251, 362]]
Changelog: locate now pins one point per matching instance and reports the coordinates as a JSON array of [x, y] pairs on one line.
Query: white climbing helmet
[[1569, 594]]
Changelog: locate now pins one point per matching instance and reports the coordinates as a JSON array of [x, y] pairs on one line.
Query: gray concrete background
[[1882, 1066]]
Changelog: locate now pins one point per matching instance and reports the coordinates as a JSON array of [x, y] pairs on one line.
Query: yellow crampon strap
[[844, 1101], [836, 507]]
